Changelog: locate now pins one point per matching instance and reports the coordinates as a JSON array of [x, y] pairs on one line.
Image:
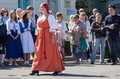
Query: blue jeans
[[100, 42], [114, 45]]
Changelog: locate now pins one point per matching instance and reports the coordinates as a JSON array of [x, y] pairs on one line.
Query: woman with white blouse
[[61, 32], [14, 48], [47, 57], [26, 27]]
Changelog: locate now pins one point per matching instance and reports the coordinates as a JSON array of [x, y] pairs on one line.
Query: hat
[[23, 13], [46, 6], [29, 8]]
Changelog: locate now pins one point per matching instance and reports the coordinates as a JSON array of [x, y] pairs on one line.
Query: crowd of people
[[17, 35], [24, 34], [89, 36]]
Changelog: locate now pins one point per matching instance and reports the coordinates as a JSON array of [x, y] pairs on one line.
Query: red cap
[[46, 6]]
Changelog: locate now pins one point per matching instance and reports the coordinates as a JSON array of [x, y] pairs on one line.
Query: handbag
[[83, 44]]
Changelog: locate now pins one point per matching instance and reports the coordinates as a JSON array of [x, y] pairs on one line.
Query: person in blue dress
[[14, 47], [3, 40]]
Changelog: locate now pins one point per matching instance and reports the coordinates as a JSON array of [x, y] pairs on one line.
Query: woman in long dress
[[47, 57], [14, 48], [26, 37]]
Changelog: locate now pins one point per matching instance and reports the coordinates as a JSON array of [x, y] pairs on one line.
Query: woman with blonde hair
[[14, 48], [100, 34], [18, 13], [84, 19]]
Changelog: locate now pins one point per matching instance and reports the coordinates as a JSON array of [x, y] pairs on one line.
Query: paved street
[[73, 71]]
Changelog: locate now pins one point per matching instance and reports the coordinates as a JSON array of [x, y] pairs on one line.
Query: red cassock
[[47, 57]]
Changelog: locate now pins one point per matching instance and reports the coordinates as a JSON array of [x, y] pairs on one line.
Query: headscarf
[[46, 6]]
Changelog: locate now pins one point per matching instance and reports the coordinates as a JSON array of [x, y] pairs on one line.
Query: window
[[53, 4], [23, 3]]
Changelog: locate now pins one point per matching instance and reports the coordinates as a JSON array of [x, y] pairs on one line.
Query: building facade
[[67, 7], [102, 5], [116, 3]]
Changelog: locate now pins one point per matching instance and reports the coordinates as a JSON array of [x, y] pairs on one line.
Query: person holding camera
[[112, 22]]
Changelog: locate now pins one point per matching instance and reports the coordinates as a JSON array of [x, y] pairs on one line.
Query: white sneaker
[[28, 62], [16, 64], [10, 64], [25, 62]]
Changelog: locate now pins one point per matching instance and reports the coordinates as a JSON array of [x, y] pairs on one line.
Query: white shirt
[[62, 28], [10, 26], [87, 23], [71, 25], [52, 22]]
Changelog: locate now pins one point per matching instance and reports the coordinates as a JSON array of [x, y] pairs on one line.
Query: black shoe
[[113, 63], [92, 62], [109, 60], [34, 72], [56, 73]]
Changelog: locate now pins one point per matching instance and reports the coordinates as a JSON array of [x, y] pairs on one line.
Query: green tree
[[81, 4]]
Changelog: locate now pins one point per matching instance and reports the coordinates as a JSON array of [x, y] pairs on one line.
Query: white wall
[[61, 7], [37, 5], [64, 9], [9, 4]]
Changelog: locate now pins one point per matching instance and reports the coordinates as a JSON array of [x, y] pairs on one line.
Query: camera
[[116, 26]]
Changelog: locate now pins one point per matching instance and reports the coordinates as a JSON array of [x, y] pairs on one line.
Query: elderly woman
[[78, 31]]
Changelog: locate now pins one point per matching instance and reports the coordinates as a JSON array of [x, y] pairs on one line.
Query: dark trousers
[[3, 46], [114, 45]]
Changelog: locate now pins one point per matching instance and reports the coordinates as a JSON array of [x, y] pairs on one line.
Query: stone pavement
[[73, 71]]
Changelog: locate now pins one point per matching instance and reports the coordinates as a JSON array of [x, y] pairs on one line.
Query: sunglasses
[[83, 15], [81, 11], [95, 11], [5, 11]]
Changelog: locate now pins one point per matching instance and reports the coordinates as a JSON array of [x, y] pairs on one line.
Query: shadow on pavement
[[74, 75], [12, 67], [73, 64]]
